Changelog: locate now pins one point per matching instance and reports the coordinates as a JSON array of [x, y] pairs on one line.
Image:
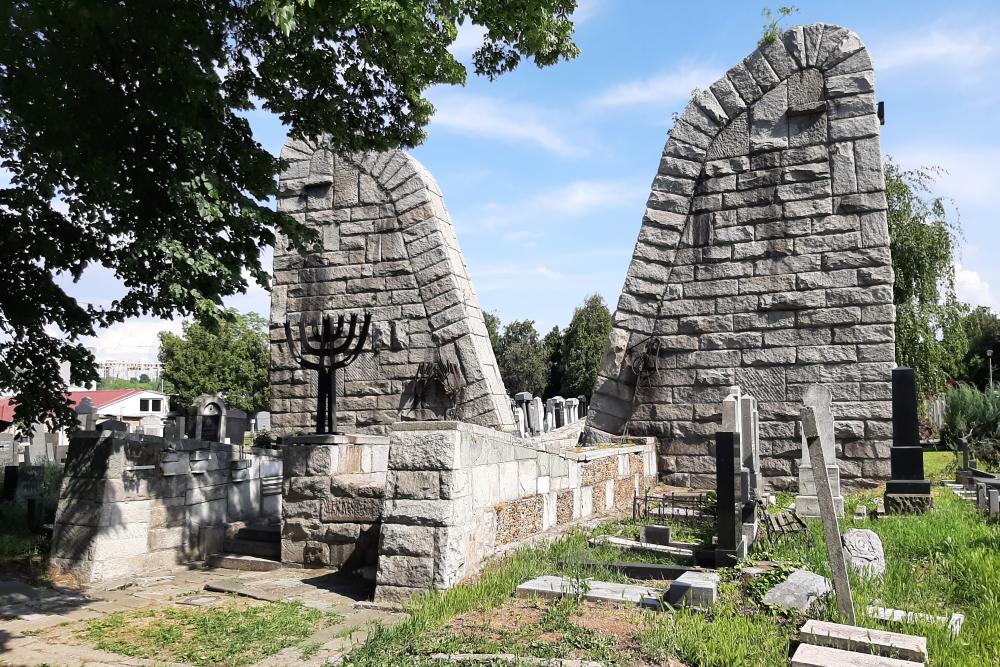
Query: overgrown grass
[[945, 561], [239, 634]]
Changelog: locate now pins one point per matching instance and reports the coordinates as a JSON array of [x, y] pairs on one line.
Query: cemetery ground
[[945, 561]]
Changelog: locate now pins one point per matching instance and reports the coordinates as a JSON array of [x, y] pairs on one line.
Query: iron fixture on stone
[[333, 348], [444, 374], [643, 359]]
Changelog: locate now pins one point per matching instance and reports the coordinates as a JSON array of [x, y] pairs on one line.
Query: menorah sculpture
[[330, 355]]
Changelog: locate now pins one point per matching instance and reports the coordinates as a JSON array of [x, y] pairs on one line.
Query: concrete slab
[[954, 622], [649, 547], [799, 591], [554, 587], [808, 655], [864, 640], [694, 589]]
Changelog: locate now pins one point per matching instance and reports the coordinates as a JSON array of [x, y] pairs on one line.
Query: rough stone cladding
[[763, 261], [388, 247]]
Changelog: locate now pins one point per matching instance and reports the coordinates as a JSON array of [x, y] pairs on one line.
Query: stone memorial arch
[[389, 249], [762, 261]]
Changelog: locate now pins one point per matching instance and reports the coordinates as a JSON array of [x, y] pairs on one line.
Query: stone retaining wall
[[132, 503], [388, 248], [763, 261], [457, 493]]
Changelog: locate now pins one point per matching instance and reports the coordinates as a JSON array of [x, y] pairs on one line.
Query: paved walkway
[[27, 611]]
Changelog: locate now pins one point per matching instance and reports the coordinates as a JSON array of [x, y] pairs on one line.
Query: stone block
[[406, 571], [422, 450], [416, 484], [351, 510], [694, 589]]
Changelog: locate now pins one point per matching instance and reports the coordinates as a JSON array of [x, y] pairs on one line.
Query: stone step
[[864, 640], [259, 533], [230, 561], [269, 549], [809, 655]]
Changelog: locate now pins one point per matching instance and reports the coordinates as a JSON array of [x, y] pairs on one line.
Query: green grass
[[947, 560], [940, 465], [239, 634]]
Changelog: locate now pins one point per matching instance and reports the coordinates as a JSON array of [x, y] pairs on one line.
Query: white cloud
[[491, 118], [662, 89], [470, 37], [970, 173], [965, 48], [573, 200], [973, 288]]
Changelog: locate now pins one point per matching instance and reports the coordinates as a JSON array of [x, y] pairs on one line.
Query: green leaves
[[929, 333], [225, 354], [131, 115]]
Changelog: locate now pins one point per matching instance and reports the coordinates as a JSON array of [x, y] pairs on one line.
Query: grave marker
[[817, 422]]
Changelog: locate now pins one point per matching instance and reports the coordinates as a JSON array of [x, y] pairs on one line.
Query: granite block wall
[[458, 493], [131, 504], [389, 248], [763, 260]]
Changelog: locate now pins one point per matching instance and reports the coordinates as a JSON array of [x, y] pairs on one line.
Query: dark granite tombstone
[[581, 406], [113, 425], [731, 545], [907, 491]]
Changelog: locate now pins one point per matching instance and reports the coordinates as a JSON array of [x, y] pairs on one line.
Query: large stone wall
[[457, 494], [131, 504], [388, 247], [763, 261]]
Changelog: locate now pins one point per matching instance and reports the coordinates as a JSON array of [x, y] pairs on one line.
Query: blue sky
[[546, 172]]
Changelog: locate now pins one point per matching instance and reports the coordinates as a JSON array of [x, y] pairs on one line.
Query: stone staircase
[[254, 548]]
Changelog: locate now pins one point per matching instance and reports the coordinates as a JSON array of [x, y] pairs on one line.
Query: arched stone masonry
[[389, 248], [763, 261]]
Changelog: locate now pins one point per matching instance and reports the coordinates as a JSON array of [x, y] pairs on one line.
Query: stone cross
[[817, 427]]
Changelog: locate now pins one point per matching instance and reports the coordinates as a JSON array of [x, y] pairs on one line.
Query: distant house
[[127, 405]]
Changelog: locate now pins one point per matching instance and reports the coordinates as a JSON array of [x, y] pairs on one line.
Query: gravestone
[[536, 414], [817, 430], [389, 249], [865, 552], [210, 418], [8, 450], [731, 546], [38, 451], [806, 503], [762, 260], [570, 410], [907, 491], [85, 414], [581, 410], [745, 468]]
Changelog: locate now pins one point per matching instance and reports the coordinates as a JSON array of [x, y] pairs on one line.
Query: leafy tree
[[583, 346], [144, 378], [929, 334], [522, 358], [123, 128], [553, 350], [982, 328], [230, 358], [493, 329]]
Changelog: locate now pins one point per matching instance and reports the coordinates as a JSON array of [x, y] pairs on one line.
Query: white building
[[129, 370]]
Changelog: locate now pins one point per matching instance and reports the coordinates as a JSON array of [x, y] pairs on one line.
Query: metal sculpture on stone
[[330, 355]]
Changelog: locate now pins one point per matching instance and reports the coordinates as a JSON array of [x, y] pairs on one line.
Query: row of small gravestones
[[534, 418]]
